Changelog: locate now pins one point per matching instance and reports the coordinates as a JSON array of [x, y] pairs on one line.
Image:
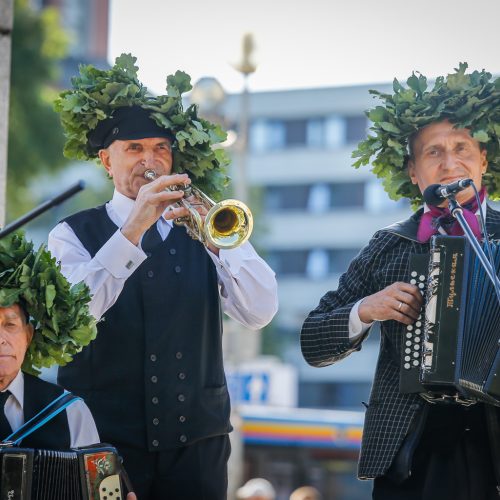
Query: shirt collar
[[16, 388], [122, 207]]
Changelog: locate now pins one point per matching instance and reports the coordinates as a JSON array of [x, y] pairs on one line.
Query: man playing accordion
[[415, 449], [43, 321], [37, 330]]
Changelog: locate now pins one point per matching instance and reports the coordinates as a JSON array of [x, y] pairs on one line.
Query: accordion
[[89, 473], [452, 352]]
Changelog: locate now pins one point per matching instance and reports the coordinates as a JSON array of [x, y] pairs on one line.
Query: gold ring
[[400, 306]]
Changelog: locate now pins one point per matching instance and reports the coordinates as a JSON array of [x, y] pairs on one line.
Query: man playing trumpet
[[154, 376]]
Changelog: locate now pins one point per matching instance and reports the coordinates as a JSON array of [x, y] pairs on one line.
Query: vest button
[[182, 419], [181, 398], [181, 376], [172, 251], [152, 357], [154, 400], [155, 443], [155, 421], [148, 254], [150, 274], [154, 379], [178, 355], [177, 269], [183, 438]]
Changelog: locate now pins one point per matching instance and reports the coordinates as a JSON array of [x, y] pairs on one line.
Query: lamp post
[[209, 95], [246, 67]]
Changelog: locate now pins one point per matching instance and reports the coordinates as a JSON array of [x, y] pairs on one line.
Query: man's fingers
[[403, 318], [166, 181], [413, 301], [407, 310], [176, 212], [407, 298]]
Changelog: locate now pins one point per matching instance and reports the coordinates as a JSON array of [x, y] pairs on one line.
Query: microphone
[[435, 194]]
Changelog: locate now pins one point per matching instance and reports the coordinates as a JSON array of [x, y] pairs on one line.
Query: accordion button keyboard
[[414, 332], [411, 351]]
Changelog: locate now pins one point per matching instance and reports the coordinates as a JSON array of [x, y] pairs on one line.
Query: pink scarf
[[441, 217]]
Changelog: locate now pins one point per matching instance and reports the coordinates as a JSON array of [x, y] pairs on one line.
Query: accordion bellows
[[453, 350], [91, 473]]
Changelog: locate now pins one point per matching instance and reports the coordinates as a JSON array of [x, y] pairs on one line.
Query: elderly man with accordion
[[432, 423], [50, 446]]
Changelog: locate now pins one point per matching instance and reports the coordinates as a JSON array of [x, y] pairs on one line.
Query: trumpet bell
[[228, 224]]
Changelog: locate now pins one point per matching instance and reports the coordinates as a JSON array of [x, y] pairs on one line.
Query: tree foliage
[[35, 135], [58, 310], [96, 94], [468, 100]]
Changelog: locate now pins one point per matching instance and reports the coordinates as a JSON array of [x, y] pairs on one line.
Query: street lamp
[[246, 67], [209, 95]]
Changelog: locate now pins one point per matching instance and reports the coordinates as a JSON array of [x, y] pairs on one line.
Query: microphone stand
[[42, 208], [457, 212]]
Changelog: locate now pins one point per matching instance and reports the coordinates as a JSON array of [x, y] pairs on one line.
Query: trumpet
[[228, 224]]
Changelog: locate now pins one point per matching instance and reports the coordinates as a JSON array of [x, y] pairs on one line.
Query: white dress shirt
[[82, 429], [247, 285]]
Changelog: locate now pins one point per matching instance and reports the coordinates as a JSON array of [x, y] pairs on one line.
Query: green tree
[[35, 135]]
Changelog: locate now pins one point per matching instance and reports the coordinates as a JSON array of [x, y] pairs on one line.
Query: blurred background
[[289, 81]]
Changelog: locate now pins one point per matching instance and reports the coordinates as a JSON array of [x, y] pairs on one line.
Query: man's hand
[[151, 202], [399, 301], [131, 496]]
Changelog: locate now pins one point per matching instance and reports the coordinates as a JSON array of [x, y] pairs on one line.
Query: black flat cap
[[130, 122]]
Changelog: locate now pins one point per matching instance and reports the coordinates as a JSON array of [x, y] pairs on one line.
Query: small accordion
[[452, 352], [90, 473]]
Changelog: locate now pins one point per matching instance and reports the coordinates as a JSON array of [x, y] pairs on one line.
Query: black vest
[[54, 435], [154, 376]]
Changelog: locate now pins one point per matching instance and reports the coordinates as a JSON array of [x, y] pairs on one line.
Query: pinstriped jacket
[[325, 338]]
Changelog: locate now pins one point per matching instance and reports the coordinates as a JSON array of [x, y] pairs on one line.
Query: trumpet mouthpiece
[[150, 175]]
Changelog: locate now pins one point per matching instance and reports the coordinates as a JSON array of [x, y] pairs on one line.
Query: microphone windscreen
[[431, 196]]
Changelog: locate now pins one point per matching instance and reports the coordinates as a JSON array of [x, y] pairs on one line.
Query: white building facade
[[314, 213]]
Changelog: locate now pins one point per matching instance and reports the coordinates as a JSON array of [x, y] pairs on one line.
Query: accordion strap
[[42, 417]]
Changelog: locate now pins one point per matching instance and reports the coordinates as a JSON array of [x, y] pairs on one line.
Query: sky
[[307, 43]]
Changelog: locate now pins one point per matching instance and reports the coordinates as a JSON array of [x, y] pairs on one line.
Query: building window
[[316, 198], [75, 15], [378, 201], [319, 198], [267, 135], [288, 262], [347, 195], [318, 263], [316, 133], [355, 128], [286, 197], [295, 132], [340, 258], [334, 132], [271, 135]]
